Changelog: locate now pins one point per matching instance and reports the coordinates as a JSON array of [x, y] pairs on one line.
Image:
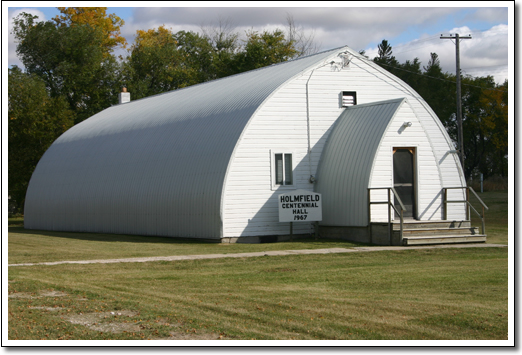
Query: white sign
[[300, 206]]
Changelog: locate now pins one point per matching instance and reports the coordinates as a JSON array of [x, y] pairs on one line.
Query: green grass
[[414, 294], [28, 246]]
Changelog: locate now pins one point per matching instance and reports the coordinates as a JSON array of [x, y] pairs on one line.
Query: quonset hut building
[[208, 161]]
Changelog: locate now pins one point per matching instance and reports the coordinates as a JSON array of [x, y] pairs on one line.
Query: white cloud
[[337, 26], [12, 58], [489, 14], [485, 54]]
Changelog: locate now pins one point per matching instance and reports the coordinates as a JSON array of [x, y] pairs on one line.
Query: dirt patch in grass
[[120, 321], [47, 308], [33, 295], [22, 295], [52, 293], [107, 322]]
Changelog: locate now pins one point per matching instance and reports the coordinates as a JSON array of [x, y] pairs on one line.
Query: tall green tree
[[160, 60], [438, 90], [154, 63], [385, 54], [108, 24], [73, 61], [35, 120], [263, 49], [485, 126]]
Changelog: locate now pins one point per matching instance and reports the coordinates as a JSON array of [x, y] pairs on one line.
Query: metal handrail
[[390, 204], [468, 205]]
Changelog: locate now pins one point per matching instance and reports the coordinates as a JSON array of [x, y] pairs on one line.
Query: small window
[[283, 169], [349, 98]]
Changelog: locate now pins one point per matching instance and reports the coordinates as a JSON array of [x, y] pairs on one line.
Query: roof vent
[[124, 96]]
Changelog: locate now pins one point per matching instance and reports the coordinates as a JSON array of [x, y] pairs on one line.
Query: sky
[[411, 31]]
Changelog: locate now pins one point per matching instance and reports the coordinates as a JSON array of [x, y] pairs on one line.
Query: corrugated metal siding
[[154, 166], [343, 174]]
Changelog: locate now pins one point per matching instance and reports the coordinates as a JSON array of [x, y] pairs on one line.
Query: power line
[[459, 99], [442, 79], [433, 39]]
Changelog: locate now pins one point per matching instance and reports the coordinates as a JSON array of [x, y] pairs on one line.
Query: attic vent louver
[[349, 98]]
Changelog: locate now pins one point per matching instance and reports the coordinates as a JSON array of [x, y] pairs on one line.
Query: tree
[[386, 60], [201, 58], [72, 60], [263, 49], [485, 126], [438, 90], [303, 43], [96, 17], [35, 120], [160, 60], [384, 51], [153, 63], [225, 43]]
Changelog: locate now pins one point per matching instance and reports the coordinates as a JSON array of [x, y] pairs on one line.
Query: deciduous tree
[[96, 17], [263, 49], [35, 120], [71, 60]]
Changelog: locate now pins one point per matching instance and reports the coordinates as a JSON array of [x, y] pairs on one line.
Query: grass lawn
[[456, 293], [414, 294]]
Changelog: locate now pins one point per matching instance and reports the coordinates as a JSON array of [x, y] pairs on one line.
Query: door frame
[[415, 150]]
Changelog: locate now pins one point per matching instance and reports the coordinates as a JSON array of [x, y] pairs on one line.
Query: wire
[[432, 77]]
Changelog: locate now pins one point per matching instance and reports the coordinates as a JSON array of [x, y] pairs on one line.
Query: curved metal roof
[[346, 163], [154, 166]]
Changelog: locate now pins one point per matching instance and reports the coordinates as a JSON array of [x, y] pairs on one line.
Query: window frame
[[273, 169]]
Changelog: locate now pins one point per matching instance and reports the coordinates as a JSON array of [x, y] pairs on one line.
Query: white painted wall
[[249, 206]]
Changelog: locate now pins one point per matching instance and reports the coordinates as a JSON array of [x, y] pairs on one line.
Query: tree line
[[72, 72]]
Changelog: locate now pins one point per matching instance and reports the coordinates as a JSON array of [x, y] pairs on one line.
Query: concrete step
[[412, 224], [447, 239], [419, 232]]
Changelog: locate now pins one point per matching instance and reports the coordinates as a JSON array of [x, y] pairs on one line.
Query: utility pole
[[457, 39]]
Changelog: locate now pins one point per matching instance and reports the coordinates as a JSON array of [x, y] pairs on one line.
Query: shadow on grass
[[102, 237], [112, 238]]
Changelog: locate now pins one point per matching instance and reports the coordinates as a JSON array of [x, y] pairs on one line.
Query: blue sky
[[412, 31]]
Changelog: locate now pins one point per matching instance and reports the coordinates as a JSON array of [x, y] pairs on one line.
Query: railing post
[[468, 204], [402, 219], [389, 215], [445, 204], [369, 215], [468, 211], [483, 221]]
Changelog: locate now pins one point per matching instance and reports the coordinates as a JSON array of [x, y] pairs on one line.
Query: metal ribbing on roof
[[347, 159], [153, 166]]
